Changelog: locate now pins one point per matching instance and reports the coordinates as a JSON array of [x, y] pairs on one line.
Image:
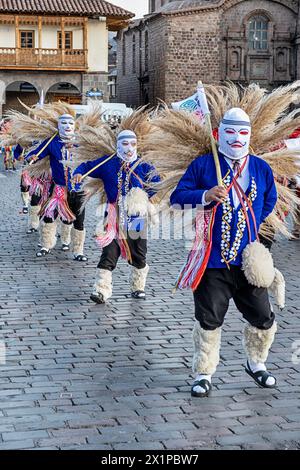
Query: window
[[27, 39], [68, 40], [133, 54], [146, 51], [258, 33]]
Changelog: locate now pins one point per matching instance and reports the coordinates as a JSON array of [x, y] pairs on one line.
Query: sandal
[[80, 258], [205, 384], [260, 377], [139, 294], [65, 247], [97, 298], [42, 252]]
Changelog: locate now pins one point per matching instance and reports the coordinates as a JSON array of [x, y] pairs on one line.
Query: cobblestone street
[[117, 377]]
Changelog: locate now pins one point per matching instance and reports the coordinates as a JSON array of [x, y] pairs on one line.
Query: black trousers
[[24, 189], [75, 201], [35, 200], [216, 289], [111, 253]]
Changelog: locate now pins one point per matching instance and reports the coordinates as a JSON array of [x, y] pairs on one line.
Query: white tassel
[[278, 289], [258, 265]]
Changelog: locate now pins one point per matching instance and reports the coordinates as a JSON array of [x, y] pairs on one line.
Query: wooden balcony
[[43, 59]]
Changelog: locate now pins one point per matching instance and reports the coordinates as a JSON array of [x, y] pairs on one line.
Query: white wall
[[97, 46], [7, 36], [97, 41], [49, 36]]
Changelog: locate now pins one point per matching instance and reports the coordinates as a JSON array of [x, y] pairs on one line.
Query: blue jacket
[[230, 233], [18, 151], [54, 150], [108, 173]]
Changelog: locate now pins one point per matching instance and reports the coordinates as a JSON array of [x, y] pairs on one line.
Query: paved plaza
[[117, 377]]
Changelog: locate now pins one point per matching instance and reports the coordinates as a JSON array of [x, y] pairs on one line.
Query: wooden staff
[[212, 141], [97, 166]]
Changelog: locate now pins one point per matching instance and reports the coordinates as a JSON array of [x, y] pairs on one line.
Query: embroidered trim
[[241, 226], [226, 221]]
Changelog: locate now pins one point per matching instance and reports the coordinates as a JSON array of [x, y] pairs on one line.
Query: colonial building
[[164, 54], [56, 48]]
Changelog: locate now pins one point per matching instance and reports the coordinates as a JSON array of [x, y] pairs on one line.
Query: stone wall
[[95, 80], [40, 80], [193, 53], [211, 45]]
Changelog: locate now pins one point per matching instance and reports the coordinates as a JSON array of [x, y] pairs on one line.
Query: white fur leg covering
[[258, 265], [103, 284], [78, 239], [153, 214], [139, 278], [278, 289], [34, 220], [257, 343], [48, 235], [25, 199], [101, 220], [206, 350], [65, 234], [136, 202]]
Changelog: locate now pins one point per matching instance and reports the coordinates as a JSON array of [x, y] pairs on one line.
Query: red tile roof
[[65, 7]]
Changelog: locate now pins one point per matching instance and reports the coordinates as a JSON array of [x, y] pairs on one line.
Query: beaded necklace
[[123, 217]]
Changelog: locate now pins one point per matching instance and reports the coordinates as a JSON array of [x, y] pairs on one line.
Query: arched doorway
[[64, 91], [23, 91]]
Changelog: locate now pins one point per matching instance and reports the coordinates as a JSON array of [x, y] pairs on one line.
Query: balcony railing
[[47, 59]]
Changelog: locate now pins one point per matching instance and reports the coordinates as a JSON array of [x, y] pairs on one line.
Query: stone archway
[[19, 90], [64, 91]]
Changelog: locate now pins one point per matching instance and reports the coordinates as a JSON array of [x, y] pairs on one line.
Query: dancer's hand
[[77, 179], [32, 159], [216, 194]]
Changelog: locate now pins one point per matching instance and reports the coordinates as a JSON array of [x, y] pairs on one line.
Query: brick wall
[[193, 53], [188, 47], [95, 80]]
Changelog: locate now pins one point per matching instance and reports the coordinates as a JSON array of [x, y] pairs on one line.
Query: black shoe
[[32, 230], [260, 377], [80, 258], [65, 247], [42, 252], [139, 295], [97, 298], [25, 210], [205, 384]]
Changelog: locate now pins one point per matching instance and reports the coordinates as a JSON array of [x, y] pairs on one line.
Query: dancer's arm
[[189, 192], [270, 196]]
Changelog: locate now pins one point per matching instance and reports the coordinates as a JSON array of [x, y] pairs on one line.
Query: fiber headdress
[[177, 138]]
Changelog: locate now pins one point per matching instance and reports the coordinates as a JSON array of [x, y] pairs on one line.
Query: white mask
[[127, 146], [235, 134], [66, 127]]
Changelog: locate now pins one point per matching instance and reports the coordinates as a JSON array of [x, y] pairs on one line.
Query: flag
[[196, 104]]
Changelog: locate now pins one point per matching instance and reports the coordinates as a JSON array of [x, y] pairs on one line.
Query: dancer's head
[[235, 134], [127, 146], [66, 126]]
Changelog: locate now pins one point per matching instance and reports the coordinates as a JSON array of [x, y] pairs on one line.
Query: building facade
[[163, 55], [58, 49]]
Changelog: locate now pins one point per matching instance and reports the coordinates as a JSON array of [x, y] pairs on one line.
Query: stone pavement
[[81, 376]]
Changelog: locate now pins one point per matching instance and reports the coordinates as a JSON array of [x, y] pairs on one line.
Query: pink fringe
[[58, 202], [41, 187], [110, 229], [26, 180], [197, 254], [112, 233]]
